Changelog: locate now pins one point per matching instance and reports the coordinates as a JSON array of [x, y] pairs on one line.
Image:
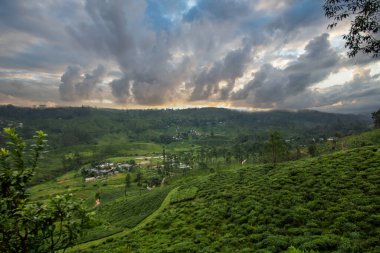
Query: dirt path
[[86, 245]]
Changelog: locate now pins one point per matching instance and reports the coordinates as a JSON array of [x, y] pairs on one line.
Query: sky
[[249, 54]]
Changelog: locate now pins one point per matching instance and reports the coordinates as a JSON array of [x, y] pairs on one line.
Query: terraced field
[[325, 204]]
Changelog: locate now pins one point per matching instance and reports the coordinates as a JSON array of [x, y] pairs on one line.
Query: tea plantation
[[329, 203]]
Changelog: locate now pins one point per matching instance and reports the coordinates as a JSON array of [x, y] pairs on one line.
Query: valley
[[226, 187]]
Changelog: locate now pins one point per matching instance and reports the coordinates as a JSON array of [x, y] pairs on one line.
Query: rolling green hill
[[326, 204], [86, 126], [98, 134]]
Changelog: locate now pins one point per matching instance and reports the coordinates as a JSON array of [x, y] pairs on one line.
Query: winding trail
[[165, 203]]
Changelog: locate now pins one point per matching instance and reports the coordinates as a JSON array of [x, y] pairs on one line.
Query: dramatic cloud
[[240, 53], [360, 94], [121, 89], [118, 30], [297, 16], [271, 86], [75, 86], [26, 90], [221, 11], [34, 35], [357, 94], [207, 82]]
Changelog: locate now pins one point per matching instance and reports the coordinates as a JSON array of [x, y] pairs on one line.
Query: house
[[105, 169], [124, 167], [89, 179], [184, 166]]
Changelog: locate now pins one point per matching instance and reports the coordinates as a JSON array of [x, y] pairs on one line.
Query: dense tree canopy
[[32, 226], [376, 118], [276, 146], [364, 31]]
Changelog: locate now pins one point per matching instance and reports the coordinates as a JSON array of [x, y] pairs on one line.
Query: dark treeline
[[206, 126]]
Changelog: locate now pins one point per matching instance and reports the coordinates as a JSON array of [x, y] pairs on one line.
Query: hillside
[[83, 126], [325, 204], [98, 134], [211, 180], [186, 126]]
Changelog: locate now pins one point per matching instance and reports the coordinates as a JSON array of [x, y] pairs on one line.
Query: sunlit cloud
[[252, 55]]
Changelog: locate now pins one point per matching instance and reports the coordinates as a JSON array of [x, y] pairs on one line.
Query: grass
[[124, 213], [128, 212], [324, 204], [116, 148], [109, 188], [117, 212], [83, 247], [328, 203], [184, 194], [349, 142]]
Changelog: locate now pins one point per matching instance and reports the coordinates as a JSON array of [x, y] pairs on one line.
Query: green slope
[[98, 134], [326, 204], [141, 223]]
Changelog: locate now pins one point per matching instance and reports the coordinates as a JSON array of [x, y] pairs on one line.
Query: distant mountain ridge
[[84, 124]]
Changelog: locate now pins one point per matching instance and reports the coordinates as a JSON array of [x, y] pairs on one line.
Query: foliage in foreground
[[325, 204], [364, 15], [32, 226]]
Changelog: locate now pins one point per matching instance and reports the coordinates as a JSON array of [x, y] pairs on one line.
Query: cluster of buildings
[[185, 135], [104, 169]]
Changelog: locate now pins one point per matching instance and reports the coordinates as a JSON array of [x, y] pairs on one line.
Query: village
[[105, 169]]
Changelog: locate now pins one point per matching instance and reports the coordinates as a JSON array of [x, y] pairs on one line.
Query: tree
[[132, 162], [363, 35], [277, 146], [312, 149], [298, 152], [238, 153], [376, 118], [127, 183], [139, 178], [166, 161], [72, 161], [36, 226], [97, 196]]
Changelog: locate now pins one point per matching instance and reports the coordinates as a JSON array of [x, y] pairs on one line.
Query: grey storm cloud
[[75, 86], [361, 87], [34, 35], [187, 52], [232, 66], [359, 95], [34, 20], [27, 89], [68, 81], [121, 89], [109, 29], [152, 71], [117, 30], [272, 85], [299, 15], [220, 10]]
